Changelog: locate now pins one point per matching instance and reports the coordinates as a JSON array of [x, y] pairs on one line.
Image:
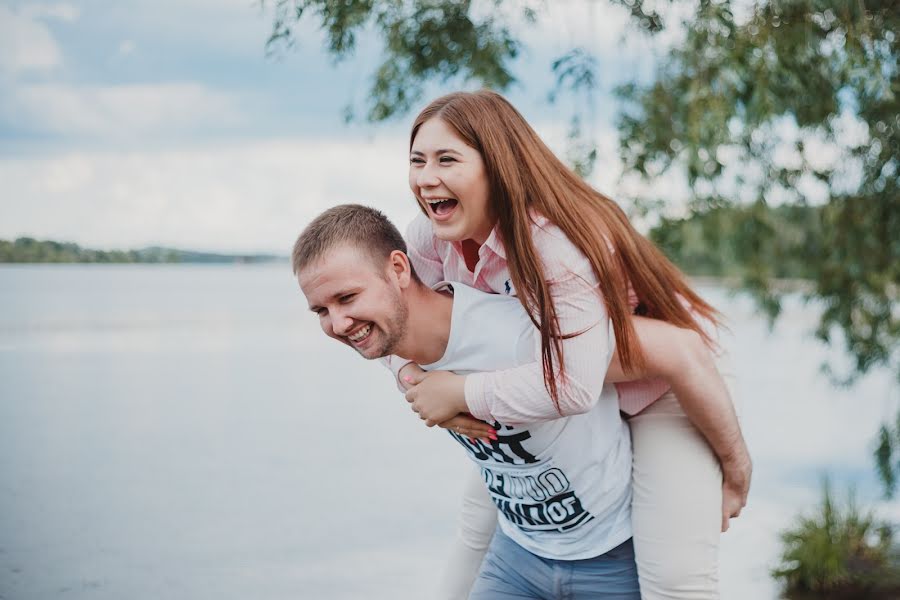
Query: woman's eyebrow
[[440, 151]]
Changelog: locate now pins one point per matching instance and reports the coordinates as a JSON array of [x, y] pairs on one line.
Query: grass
[[839, 552]]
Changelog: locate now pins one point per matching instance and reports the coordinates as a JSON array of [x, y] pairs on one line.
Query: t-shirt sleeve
[[518, 396]]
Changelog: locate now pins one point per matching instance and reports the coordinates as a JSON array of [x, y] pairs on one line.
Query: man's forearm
[[705, 399], [682, 358]]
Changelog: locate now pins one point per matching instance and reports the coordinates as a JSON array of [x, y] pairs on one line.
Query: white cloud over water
[[253, 196]]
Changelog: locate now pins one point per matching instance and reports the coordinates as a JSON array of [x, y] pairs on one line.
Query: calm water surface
[[187, 432]]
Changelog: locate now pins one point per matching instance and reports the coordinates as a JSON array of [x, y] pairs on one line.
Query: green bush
[[841, 551]]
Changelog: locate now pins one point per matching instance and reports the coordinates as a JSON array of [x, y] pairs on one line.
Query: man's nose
[[341, 324]]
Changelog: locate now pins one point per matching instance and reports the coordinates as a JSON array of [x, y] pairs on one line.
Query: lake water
[[187, 432]]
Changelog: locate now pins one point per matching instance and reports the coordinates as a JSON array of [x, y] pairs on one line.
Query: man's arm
[[683, 359]]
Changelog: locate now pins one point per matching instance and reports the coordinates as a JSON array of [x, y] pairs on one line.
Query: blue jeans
[[511, 572]]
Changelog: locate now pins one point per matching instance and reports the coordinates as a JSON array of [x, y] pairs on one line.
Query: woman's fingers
[[470, 427]]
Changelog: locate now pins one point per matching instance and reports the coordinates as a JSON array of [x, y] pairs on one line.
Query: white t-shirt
[[562, 487]]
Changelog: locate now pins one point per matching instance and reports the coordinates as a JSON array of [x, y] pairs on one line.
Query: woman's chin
[[447, 232]]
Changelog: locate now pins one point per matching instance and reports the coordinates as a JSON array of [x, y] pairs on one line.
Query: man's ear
[[399, 268]]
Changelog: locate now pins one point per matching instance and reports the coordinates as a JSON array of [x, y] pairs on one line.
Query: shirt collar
[[495, 239], [494, 243]]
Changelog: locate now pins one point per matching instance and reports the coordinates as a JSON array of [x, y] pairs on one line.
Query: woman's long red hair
[[524, 176]]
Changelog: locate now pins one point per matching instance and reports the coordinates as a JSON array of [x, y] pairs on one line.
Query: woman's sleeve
[[424, 256], [429, 267], [518, 396]]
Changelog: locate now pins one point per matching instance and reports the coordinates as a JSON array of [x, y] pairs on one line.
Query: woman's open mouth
[[441, 208]]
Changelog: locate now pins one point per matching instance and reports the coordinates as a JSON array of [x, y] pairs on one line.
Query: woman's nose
[[427, 176]]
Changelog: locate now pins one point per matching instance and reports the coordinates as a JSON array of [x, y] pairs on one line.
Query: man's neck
[[427, 325]]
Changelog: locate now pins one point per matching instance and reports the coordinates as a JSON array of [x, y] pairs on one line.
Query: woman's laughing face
[[449, 180]]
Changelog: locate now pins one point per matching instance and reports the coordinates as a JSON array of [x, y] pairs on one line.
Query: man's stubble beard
[[396, 325]]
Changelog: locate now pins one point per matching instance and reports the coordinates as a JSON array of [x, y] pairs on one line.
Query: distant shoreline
[[29, 251], [26, 250], [734, 282]]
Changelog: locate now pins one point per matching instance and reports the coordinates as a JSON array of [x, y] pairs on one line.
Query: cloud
[[62, 11], [126, 47], [253, 196], [26, 44], [118, 111]]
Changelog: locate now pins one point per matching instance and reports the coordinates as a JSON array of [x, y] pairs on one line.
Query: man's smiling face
[[357, 302]]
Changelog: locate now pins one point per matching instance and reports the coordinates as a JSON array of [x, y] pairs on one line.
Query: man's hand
[[410, 372], [437, 395], [735, 487]]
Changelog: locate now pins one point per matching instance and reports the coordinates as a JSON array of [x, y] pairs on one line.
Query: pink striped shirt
[[518, 396]]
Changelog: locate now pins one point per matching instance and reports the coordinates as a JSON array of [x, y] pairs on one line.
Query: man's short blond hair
[[360, 226]]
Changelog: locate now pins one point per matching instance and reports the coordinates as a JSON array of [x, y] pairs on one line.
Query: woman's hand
[[462, 423], [469, 426], [437, 396]]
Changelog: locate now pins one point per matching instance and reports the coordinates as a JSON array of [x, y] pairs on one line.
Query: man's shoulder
[[474, 298], [488, 316], [486, 332]]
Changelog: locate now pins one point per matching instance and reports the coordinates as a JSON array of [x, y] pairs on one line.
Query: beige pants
[[677, 505], [676, 512]]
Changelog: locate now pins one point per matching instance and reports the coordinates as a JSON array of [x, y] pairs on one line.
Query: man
[[562, 488]]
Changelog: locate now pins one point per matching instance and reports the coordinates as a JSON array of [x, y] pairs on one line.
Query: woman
[[504, 215]]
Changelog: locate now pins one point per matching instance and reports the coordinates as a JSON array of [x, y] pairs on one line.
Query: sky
[[162, 122]]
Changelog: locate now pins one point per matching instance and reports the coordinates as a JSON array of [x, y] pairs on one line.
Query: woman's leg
[[677, 505], [476, 525]]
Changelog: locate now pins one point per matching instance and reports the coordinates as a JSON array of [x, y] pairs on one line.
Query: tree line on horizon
[[701, 244], [30, 250]]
